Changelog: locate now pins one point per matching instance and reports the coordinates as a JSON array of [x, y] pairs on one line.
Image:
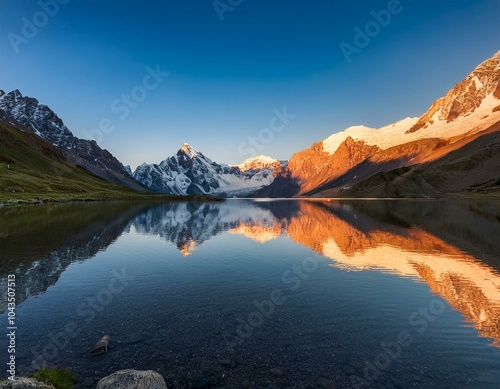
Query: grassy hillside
[[32, 169]]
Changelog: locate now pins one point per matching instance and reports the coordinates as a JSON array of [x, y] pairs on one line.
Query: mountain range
[[452, 149], [190, 172], [29, 115]]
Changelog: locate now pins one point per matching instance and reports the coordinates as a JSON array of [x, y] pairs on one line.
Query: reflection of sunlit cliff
[[478, 306], [356, 242], [467, 284], [315, 225], [257, 232]]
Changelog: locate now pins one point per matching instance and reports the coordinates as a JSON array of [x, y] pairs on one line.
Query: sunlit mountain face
[[193, 271]]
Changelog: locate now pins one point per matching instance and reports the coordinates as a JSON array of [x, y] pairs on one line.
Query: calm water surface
[[264, 294]]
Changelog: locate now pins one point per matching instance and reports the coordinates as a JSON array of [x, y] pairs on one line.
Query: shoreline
[[37, 201]]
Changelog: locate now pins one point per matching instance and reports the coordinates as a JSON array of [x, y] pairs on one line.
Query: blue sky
[[228, 78]]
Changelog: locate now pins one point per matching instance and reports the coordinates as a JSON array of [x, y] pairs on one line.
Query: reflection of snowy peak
[[187, 225], [190, 172]]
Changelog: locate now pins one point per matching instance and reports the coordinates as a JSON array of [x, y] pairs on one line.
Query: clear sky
[[228, 78]]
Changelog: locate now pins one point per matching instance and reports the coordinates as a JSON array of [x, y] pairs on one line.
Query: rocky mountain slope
[[474, 167], [31, 167], [345, 159], [190, 172], [28, 114]]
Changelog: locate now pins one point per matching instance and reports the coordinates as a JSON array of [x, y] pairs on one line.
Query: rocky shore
[[122, 379]]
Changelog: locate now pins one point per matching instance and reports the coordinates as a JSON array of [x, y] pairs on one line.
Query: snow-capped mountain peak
[[468, 107], [191, 152], [258, 162], [191, 172], [383, 137]]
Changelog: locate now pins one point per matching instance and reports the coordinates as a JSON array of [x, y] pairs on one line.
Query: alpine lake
[[258, 293]]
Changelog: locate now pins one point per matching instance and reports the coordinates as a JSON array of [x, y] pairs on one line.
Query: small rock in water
[[206, 366], [277, 372], [224, 362], [101, 346], [325, 382]]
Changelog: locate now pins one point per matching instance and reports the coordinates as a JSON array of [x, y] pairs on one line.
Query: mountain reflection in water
[[451, 247], [357, 241]]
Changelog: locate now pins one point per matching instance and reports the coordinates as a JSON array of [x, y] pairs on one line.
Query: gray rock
[[224, 362], [241, 361], [276, 371], [132, 379], [325, 382], [25, 383]]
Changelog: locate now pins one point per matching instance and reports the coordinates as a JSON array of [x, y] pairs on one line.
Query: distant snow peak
[[190, 172], [258, 162]]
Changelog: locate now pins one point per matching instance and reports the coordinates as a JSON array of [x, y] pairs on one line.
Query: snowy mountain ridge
[[467, 108], [259, 162], [191, 172]]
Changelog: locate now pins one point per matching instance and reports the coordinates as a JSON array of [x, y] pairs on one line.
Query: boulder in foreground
[[25, 383], [132, 379]]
